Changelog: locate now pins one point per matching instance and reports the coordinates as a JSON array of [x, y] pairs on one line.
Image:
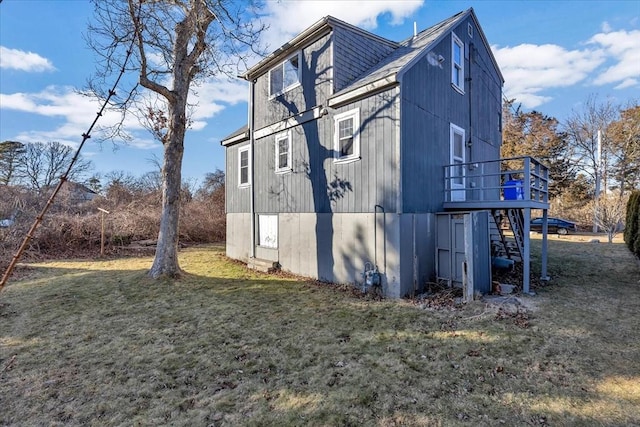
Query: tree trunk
[[188, 46], [165, 262]]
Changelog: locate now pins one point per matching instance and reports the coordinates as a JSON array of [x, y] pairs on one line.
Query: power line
[[63, 178]]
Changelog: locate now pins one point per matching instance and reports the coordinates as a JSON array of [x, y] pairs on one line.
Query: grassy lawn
[[97, 343]]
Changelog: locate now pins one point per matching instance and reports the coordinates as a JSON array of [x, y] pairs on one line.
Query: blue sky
[[554, 54]]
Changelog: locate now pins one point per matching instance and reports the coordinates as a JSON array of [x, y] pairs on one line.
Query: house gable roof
[[311, 34], [389, 71]]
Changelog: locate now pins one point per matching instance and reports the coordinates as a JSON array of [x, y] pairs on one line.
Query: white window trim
[[240, 151], [355, 115], [279, 137], [456, 41], [287, 88]]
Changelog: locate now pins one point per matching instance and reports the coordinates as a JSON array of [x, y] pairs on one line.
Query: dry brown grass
[[97, 343]]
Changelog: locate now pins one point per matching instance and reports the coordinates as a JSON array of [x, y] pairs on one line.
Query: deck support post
[[526, 256], [545, 229]]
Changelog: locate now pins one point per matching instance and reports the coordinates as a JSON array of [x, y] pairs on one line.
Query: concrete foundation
[[335, 247]]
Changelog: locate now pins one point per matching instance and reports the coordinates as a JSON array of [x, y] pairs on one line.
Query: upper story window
[[457, 63], [347, 136], [243, 166], [285, 75], [283, 152]]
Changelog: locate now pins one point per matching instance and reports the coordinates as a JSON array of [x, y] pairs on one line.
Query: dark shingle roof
[[241, 134], [408, 50]]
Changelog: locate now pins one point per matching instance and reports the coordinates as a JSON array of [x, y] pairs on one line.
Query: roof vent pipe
[[415, 28]]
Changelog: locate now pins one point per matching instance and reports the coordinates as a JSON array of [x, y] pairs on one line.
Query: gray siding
[[317, 183], [315, 87], [238, 199], [430, 104], [354, 54]]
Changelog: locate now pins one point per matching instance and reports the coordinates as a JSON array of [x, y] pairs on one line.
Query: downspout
[[252, 208], [399, 207], [470, 79]]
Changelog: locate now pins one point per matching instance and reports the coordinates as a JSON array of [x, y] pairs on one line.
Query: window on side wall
[[457, 63], [347, 136], [243, 166], [285, 75], [283, 152]]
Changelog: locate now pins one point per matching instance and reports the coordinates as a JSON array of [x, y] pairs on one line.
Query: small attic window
[[470, 30], [286, 75]]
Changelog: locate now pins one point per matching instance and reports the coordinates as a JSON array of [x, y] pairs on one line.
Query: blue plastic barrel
[[513, 190]]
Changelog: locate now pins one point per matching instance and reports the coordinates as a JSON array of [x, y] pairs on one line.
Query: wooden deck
[[510, 183], [468, 205]]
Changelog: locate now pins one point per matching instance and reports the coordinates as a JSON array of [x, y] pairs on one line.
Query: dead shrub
[[73, 228], [202, 222]]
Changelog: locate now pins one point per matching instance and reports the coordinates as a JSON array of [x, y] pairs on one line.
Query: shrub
[[632, 223], [73, 229]]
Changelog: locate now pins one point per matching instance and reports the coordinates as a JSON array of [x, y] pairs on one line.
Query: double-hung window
[[457, 63], [285, 75], [283, 152], [243, 166], [347, 136]]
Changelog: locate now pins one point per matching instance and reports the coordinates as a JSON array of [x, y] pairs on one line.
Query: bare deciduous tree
[[43, 164], [176, 43], [582, 130], [610, 211], [591, 146]]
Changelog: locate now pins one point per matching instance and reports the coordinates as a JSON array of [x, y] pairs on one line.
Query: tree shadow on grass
[[117, 347]]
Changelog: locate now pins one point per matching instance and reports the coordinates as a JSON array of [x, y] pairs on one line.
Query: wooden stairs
[[502, 245]]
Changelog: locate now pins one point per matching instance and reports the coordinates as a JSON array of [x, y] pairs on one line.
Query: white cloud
[[530, 69], [210, 98], [57, 101], [623, 47], [77, 111], [609, 57], [627, 83], [23, 61], [62, 102], [288, 18]]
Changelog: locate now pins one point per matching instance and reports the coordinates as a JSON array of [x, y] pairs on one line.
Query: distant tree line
[[591, 176], [72, 226]]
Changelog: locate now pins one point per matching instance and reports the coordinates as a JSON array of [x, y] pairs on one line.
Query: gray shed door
[[450, 248]]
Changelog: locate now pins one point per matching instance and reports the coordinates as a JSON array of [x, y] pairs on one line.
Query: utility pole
[[598, 177]]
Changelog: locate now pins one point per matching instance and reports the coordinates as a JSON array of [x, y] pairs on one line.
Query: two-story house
[[356, 143]]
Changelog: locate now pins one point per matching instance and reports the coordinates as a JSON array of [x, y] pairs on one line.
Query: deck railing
[[508, 179]]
